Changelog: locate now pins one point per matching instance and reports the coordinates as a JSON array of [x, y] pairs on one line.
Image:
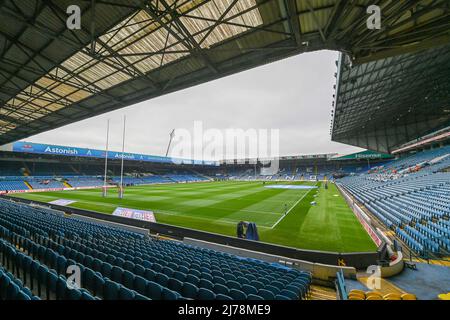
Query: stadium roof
[[383, 104], [68, 151], [128, 51], [438, 138]]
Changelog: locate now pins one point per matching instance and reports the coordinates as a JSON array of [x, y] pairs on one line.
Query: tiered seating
[[151, 179], [119, 264], [50, 169], [84, 181], [410, 195], [185, 177], [374, 295], [51, 182], [45, 184], [10, 168], [154, 179], [11, 288], [12, 185]]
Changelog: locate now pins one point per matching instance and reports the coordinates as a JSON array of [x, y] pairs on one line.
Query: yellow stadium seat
[[444, 296], [374, 294], [408, 296], [392, 296], [375, 297], [358, 292], [355, 297]]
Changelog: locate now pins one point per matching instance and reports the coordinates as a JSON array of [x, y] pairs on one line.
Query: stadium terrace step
[[67, 185], [386, 287], [444, 262], [321, 293]]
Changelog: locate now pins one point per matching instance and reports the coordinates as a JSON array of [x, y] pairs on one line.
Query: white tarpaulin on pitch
[[144, 215], [290, 186], [62, 202]]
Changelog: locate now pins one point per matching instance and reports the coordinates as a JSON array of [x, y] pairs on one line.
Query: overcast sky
[[293, 95]]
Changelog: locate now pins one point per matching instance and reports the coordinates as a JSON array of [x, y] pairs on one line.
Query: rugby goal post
[[121, 190], [104, 191]]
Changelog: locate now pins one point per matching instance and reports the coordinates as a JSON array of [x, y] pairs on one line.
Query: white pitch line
[[295, 204]]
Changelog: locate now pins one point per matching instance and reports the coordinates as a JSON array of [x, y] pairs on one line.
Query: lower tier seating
[[412, 197], [38, 245]]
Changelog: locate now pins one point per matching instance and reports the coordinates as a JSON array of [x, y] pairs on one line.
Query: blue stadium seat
[[140, 284], [189, 290], [154, 290], [175, 284], [167, 294], [128, 279], [111, 258], [162, 279], [220, 289], [231, 284], [126, 294], [237, 294], [266, 294], [111, 290], [73, 294], [139, 296], [254, 297], [205, 294], [223, 297]]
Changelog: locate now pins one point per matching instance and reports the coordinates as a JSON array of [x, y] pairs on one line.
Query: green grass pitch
[[216, 207]]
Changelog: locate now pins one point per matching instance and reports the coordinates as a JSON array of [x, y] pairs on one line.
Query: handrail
[[340, 285]]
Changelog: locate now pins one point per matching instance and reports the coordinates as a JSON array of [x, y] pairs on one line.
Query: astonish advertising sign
[[38, 148]]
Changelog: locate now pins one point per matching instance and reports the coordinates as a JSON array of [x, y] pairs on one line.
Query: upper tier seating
[[120, 264]]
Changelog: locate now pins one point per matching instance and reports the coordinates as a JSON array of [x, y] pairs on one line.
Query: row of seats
[[410, 241], [14, 183], [374, 295], [162, 259], [12, 288], [150, 269], [414, 203], [43, 281]]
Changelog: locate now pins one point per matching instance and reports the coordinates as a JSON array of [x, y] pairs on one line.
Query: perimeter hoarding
[[364, 155], [38, 148]]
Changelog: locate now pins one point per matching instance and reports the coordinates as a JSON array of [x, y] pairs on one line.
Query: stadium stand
[[373, 295], [38, 245], [11, 287], [410, 196], [150, 179], [9, 185], [84, 181], [391, 87], [43, 181]]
